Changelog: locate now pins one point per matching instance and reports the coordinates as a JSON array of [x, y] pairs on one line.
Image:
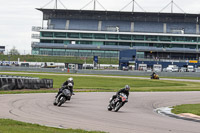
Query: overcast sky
[[18, 16]]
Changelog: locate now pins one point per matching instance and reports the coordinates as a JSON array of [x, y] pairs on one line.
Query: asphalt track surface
[[89, 111]]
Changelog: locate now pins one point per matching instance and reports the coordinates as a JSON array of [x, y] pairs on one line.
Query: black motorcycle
[[63, 97], [118, 102]]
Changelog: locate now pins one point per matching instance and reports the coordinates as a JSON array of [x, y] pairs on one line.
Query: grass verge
[[98, 83], [12, 126], [187, 108]]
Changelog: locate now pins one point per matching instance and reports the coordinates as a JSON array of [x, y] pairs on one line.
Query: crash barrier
[[8, 82]]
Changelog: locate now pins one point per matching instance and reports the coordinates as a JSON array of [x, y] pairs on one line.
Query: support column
[[132, 26], [99, 25], [67, 24], [197, 28], [164, 27]]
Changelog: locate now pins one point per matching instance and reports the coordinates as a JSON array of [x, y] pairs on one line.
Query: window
[[86, 35], [151, 38], [47, 34], [85, 42], [112, 36], [111, 43], [165, 38], [137, 37], [73, 35], [176, 38], [99, 36], [60, 35], [125, 37], [58, 41]]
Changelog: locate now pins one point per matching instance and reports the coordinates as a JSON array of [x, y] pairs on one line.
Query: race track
[[89, 111]]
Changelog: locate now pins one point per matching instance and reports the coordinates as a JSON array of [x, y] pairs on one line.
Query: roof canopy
[[119, 16]]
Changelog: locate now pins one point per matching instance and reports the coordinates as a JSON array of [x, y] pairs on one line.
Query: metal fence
[[105, 72]]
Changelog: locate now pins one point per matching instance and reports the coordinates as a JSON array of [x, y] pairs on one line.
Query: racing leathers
[[65, 86], [123, 90]]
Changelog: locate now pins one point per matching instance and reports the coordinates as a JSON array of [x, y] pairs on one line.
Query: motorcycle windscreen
[[66, 92]]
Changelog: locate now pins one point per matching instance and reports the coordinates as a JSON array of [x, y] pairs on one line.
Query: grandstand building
[[155, 36]]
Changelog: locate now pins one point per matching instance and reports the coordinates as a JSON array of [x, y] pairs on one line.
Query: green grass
[[12, 126], [103, 84], [187, 108]]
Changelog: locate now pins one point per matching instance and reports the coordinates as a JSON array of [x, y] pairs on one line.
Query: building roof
[[119, 15]]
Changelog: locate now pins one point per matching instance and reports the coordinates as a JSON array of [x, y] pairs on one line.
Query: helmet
[[70, 79], [127, 87], [70, 84]]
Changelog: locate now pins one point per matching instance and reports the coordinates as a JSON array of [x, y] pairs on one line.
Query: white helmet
[[70, 79], [70, 84], [127, 87]]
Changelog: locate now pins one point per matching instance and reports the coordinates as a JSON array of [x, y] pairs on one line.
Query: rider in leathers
[[153, 74], [123, 90], [68, 83]]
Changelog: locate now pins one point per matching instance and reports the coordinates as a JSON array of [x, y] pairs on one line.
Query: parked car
[[182, 69]]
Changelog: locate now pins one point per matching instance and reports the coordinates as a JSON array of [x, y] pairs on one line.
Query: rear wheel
[[118, 106]]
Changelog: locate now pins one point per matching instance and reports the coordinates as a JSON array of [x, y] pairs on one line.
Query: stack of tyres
[[43, 83], [46, 83], [19, 83], [49, 83], [8, 82], [26, 84]]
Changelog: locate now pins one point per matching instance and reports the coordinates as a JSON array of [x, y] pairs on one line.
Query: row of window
[[119, 37], [126, 44], [90, 53], [64, 52]]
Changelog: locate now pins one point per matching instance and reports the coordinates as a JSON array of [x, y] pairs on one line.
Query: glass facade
[[71, 52], [110, 39], [121, 39]]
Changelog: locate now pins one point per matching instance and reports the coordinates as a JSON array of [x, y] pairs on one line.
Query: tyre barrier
[[8, 82]]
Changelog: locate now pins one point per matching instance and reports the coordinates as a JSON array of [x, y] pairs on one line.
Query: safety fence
[[8, 82]]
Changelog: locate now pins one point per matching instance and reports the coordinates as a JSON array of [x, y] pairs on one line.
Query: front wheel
[[118, 106], [54, 103], [61, 100], [109, 108]]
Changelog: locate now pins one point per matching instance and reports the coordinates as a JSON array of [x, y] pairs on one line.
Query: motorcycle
[[118, 102], [63, 97], [155, 76]]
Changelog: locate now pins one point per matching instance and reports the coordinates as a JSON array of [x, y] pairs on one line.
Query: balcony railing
[[35, 36], [36, 28], [34, 43]]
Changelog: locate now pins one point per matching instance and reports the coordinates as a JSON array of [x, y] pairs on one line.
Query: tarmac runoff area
[[89, 111]]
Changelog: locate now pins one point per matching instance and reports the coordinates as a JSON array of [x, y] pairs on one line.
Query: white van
[[190, 68], [157, 67], [142, 67], [172, 68]]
